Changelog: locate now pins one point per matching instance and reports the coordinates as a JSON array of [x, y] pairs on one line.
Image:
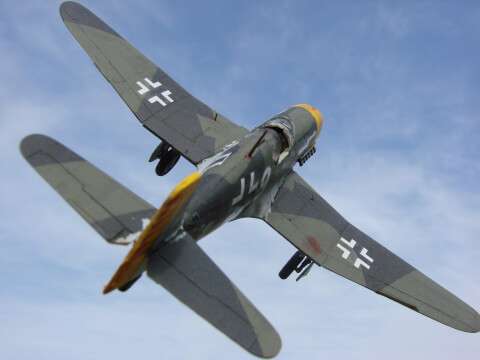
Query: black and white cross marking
[[346, 253], [144, 89]]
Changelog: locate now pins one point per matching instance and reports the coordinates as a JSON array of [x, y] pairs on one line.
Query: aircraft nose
[[316, 114]]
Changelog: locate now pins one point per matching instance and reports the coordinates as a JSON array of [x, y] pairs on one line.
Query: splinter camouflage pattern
[[241, 174]]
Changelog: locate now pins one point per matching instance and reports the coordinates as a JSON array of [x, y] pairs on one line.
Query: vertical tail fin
[[159, 222]]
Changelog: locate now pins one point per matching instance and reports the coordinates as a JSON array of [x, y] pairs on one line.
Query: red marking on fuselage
[[314, 244]]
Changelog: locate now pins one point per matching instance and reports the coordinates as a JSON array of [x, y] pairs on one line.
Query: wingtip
[[72, 12], [475, 324], [466, 318], [65, 6], [32, 143], [268, 346]]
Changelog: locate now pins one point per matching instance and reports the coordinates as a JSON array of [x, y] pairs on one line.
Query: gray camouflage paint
[[181, 267], [233, 185], [111, 209], [197, 282], [188, 125], [305, 219]]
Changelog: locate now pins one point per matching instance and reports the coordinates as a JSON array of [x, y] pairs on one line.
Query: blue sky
[[398, 84]]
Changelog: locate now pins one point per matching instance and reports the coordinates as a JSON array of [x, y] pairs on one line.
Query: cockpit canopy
[[285, 128], [297, 128]]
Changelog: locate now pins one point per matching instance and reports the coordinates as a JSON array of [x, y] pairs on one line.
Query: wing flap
[[159, 103], [193, 278], [305, 219], [115, 212]]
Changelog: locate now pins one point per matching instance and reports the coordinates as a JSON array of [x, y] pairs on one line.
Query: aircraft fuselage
[[248, 169]]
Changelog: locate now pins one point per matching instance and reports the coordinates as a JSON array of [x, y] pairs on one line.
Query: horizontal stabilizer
[[162, 218], [115, 212], [166, 109], [192, 277]]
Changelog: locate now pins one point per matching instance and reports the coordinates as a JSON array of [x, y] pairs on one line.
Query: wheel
[[291, 265], [160, 151], [167, 162]]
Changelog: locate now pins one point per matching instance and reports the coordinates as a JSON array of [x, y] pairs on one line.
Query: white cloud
[[55, 266]]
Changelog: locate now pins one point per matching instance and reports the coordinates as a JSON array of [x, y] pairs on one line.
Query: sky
[[398, 85]]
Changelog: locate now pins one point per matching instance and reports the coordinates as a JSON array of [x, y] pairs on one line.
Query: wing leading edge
[[159, 103], [306, 220]]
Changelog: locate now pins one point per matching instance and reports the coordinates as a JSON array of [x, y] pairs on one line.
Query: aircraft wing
[[162, 106], [115, 212], [187, 272], [306, 220]]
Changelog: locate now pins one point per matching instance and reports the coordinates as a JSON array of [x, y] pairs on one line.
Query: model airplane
[[240, 173]]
